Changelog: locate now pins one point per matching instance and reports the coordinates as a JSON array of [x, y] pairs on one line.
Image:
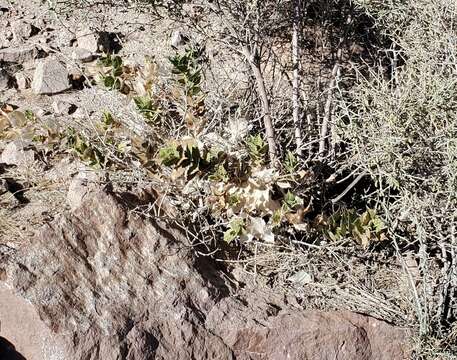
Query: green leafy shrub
[[364, 228], [291, 202], [170, 155], [235, 230], [399, 127], [83, 148], [112, 78], [148, 108], [187, 67], [290, 162], [258, 149]]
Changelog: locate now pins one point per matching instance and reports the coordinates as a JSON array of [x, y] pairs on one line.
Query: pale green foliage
[[258, 148], [107, 119], [147, 108], [235, 230], [169, 155], [82, 146], [220, 174], [291, 201], [291, 162], [112, 79], [30, 116], [402, 130], [363, 228], [188, 69]]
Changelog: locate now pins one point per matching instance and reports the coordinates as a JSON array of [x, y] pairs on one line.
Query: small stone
[[62, 107], [23, 30], [42, 112], [178, 39], [4, 187], [29, 65], [74, 72], [63, 38], [82, 55], [4, 6], [43, 40], [5, 37], [79, 114], [15, 153], [22, 81], [9, 201], [50, 77], [4, 43], [18, 55], [88, 39]]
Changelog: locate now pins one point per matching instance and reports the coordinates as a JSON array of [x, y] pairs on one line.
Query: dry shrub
[[399, 126]]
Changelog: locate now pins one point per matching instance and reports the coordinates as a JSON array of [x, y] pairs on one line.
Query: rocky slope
[[81, 276]]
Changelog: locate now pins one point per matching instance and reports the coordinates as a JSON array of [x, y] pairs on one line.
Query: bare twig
[[296, 75], [254, 61]]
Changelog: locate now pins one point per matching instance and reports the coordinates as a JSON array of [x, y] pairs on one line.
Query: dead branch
[[296, 76]]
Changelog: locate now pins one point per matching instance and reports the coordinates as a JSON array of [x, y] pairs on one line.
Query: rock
[[36, 341], [83, 55], [9, 201], [22, 81], [62, 107], [15, 153], [18, 55], [64, 38], [75, 73], [4, 187], [81, 185], [112, 285], [94, 41], [6, 37], [44, 39], [23, 30], [50, 77], [80, 113], [4, 6], [42, 112], [322, 335], [113, 294], [88, 39], [5, 79], [178, 39]]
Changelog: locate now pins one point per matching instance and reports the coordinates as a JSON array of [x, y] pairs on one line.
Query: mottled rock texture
[[50, 77], [115, 286]]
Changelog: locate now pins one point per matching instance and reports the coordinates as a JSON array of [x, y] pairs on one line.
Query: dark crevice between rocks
[[110, 42], [213, 274], [17, 190], [8, 351]]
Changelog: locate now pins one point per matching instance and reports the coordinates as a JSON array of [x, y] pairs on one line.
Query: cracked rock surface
[[108, 285]]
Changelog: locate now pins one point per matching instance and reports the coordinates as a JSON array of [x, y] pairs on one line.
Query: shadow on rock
[[8, 351]]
